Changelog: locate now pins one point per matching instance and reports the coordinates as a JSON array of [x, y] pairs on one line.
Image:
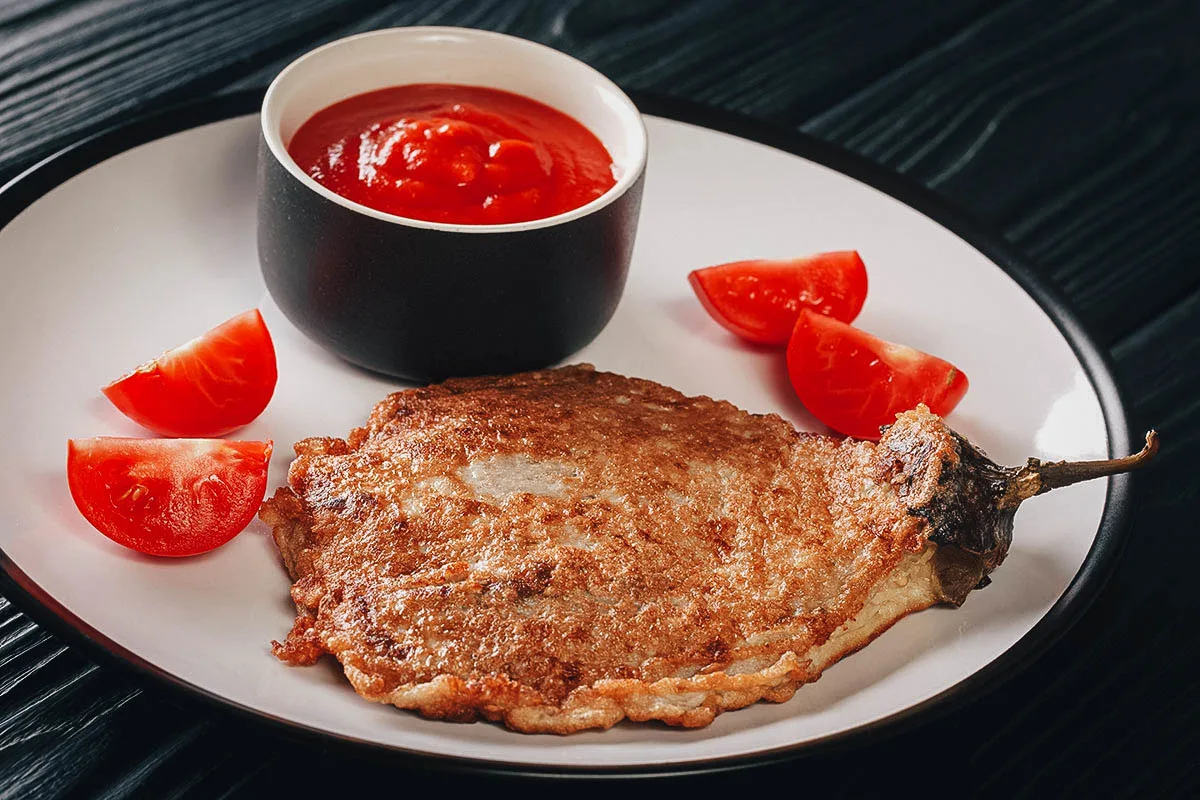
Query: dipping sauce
[[454, 154]]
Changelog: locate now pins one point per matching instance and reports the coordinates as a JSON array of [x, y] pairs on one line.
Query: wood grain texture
[[1072, 126]]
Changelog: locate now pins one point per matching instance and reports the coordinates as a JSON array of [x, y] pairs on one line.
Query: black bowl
[[423, 300]]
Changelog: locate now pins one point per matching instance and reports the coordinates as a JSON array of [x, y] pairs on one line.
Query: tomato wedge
[[855, 382], [760, 300], [168, 497], [207, 387]]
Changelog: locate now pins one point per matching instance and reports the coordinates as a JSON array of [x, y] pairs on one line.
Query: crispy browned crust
[[563, 549]]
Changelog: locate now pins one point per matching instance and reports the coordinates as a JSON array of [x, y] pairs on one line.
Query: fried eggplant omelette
[[563, 549]]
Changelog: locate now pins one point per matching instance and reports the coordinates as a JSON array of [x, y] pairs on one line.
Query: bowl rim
[[274, 141]]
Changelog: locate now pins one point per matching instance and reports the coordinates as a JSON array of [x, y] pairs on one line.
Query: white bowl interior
[[400, 56]]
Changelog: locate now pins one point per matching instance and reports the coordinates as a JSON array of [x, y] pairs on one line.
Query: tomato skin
[[759, 300], [168, 497], [208, 387], [856, 383]]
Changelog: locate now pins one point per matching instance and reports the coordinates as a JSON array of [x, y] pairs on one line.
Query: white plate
[[134, 247]]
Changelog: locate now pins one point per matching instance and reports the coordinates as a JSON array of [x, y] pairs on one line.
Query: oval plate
[[141, 238]]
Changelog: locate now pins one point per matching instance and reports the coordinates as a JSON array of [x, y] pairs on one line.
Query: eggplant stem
[[1037, 478]]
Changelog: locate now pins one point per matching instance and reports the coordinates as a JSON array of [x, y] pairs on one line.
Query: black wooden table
[[1072, 127]]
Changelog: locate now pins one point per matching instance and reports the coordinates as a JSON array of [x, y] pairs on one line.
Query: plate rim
[[37, 180]]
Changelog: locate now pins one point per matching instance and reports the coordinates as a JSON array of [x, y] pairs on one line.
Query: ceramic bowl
[[426, 300]]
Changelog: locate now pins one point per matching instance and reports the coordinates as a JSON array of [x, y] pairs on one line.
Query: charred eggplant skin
[[967, 500], [972, 529], [946, 481]]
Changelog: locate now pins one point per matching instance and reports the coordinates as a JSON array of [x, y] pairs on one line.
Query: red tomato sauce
[[455, 154]]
